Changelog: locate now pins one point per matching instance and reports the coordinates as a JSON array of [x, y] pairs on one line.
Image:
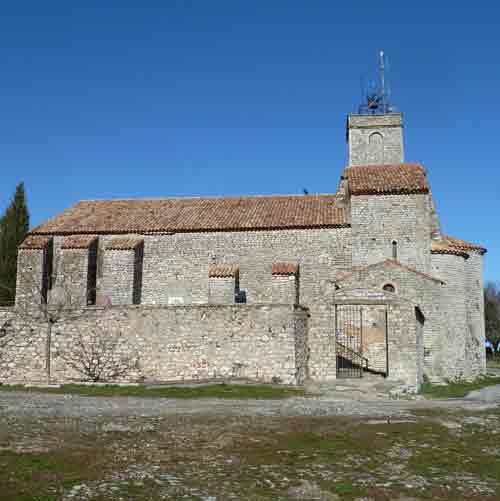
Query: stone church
[[278, 288]]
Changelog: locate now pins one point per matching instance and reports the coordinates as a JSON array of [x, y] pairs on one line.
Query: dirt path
[[30, 404]]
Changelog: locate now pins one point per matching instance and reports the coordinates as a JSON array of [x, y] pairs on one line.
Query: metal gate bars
[[349, 341]]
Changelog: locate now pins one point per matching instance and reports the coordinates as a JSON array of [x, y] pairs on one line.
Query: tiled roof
[[398, 179], [35, 242], [222, 271], [388, 262], [285, 268], [124, 243], [463, 245], [78, 241], [197, 214], [444, 247]]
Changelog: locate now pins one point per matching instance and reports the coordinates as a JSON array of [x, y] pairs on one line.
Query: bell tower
[[375, 134]]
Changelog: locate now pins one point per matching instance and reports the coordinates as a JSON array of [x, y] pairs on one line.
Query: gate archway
[[361, 339]]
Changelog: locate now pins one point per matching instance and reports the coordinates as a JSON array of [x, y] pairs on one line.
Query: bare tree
[[47, 307], [48, 300], [98, 355]]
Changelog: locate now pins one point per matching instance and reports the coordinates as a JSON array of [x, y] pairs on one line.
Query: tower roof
[[397, 179]]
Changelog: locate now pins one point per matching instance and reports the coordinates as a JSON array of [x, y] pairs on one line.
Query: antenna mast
[[376, 91], [382, 81]]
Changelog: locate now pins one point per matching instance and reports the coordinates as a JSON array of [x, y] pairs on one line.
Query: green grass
[[261, 459], [24, 474], [457, 389], [231, 391]]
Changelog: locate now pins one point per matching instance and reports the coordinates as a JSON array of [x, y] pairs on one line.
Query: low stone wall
[[167, 343]]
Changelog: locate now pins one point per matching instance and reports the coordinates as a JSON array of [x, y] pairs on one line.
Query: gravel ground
[[78, 448], [24, 404]]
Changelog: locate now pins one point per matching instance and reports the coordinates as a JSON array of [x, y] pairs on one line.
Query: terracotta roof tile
[[197, 214], [35, 242], [222, 271], [398, 179], [463, 245], [443, 247], [124, 243], [285, 268], [78, 241]]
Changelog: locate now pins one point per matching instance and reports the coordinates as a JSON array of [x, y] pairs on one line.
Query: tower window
[[376, 148], [394, 250]]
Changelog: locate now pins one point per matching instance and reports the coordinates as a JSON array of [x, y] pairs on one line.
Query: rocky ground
[[350, 442]]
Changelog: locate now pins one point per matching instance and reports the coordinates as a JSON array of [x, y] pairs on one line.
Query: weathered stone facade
[[171, 343], [219, 281], [375, 139], [381, 222]]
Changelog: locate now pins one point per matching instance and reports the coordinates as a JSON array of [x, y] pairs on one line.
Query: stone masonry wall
[[374, 337], [179, 263], [73, 274], [175, 267], [377, 221], [405, 347], [421, 290], [259, 342], [475, 352], [175, 271], [451, 340], [221, 290], [405, 344], [285, 289], [122, 276], [375, 139], [30, 276], [74, 267], [301, 345]]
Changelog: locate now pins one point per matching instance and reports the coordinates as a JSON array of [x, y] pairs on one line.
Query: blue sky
[[140, 99]]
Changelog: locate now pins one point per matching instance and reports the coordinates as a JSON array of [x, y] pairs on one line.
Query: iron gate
[[349, 341]]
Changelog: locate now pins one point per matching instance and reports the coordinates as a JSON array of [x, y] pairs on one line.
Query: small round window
[[389, 288]]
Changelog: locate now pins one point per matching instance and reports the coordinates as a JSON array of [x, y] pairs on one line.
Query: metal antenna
[[382, 79], [376, 93]]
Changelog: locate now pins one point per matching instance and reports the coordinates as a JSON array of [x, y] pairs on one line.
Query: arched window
[[394, 250], [389, 288], [376, 148], [376, 139]]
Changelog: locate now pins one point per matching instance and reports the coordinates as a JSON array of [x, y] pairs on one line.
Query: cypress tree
[[14, 225]]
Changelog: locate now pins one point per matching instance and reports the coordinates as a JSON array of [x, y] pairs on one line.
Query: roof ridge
[[209, 197], [400, 164], [391, 262]]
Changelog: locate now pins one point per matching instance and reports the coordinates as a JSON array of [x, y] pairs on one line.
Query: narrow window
[[47, 278], [92, 274], [394, 250]]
